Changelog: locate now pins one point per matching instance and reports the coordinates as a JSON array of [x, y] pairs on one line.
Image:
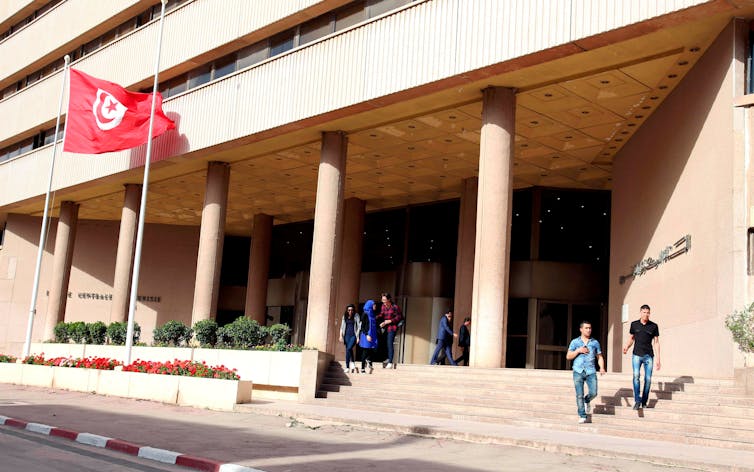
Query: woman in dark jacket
[[350, 328], [368, 338]]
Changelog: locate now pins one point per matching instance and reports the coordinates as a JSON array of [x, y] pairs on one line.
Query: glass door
[[553, 321], [557, 324]]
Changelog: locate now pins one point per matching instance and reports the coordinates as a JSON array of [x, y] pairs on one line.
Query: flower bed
[[275, 374], [179, 382], [186, 368], [100, 363], [175, 367], [6, 358]]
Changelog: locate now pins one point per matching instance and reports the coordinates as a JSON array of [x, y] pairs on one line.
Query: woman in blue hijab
[[368, 336]]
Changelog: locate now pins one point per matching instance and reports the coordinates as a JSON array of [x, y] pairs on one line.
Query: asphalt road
[[32, 452]]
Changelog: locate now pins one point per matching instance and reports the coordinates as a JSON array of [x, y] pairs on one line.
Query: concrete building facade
[[528, 163]]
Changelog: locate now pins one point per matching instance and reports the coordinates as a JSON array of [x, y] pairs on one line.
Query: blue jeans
[[636, 362], [350, 342], [579, 378], [390, 345], [447, 346]]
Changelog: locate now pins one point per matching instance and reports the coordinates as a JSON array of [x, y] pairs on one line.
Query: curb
[[145, 452]]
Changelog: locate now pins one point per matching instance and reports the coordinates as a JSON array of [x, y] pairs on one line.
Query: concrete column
[[328, 218], [465, 255], [492, 255], [61, 266], [259, 269], [349, 278], [124, 261], [211, 235]]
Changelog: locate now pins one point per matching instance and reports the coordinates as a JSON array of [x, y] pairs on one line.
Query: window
[[291, 249], [384, 236], [281, 43], [235, 263], [575, 226], [199, 76], [252, 54], [49, 135], [10, 90], [378, 7], [315, 29], [350, 16], [224, 66], [174, 86], [433, 233], [521, 225]]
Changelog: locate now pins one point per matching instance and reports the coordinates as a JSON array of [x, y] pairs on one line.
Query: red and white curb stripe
[[151, 453]]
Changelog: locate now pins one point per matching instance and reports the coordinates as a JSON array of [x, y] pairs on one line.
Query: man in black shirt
[[464, 341], [643, 334]]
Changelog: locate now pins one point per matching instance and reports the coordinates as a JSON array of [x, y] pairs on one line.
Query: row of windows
[[40, 139], [85, 49], [573, 226], [21, 24], [328, 23]]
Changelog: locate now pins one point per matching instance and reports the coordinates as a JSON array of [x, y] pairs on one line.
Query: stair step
[[699, 411]]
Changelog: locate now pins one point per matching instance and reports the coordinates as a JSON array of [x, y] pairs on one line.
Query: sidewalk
[[280, 435]]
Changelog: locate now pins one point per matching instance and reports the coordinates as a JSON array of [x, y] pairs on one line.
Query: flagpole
[[43, 232], [142, 208]]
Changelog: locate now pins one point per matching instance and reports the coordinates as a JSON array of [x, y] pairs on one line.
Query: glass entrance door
[[553, 320], [557, 324]]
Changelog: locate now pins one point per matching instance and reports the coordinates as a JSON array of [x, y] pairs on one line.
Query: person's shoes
[[582, 420], [643, 405], [389, 365], [588, 408], [363, 371], [637, 406]]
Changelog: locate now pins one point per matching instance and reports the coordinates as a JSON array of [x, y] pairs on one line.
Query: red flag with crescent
[[105, 117]]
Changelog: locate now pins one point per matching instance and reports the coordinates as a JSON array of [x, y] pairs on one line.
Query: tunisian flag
[[105, 117]]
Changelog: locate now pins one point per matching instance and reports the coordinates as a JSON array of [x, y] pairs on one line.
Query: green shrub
[[61, 333], [97, 332], [6, 358], [741, 326], [279, 334], [78, 332], [173, 332], [243, 333], [206, 332], [117, 331]]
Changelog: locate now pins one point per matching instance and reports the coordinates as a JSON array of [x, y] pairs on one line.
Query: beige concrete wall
[[167, 271], [17, 262], [676, 177]]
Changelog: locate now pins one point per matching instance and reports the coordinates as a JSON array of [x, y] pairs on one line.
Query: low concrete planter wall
[[216, 394], [274, 374]]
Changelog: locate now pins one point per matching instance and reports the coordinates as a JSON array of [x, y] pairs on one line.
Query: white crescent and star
[[108, 111]]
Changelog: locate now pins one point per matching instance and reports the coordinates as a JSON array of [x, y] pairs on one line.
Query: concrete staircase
[[705, 412]]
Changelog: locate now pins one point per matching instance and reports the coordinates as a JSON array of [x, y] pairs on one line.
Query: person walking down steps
[[350, 328], [368, 337]]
